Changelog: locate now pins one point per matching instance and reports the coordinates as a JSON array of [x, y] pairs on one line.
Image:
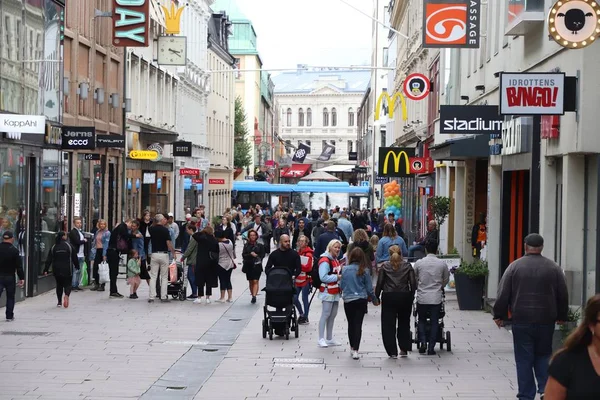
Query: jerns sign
[[130, 23]]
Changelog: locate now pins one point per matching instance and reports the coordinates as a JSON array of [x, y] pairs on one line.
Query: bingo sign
[[532, 93], [417, 86]]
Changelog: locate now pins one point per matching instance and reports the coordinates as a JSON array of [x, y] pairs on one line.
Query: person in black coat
[[226, 228], [62, 258], [207, 259], [302, 229], [252, 255], [119, 243]]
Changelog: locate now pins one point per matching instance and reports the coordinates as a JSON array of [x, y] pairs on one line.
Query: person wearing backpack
[[328, 278], [62, 258]]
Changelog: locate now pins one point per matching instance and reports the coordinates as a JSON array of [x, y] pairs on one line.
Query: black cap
[[534, 240], [7, 235]]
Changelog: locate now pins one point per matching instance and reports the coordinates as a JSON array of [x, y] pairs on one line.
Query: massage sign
[[131, 23], [532, 93]]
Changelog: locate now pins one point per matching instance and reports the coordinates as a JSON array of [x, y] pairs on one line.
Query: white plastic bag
[[103, 272]]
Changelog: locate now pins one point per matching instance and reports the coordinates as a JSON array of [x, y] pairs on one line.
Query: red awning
[[295, 171]]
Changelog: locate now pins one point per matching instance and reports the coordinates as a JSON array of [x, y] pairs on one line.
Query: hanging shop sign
[[131, 23], [143, 155], [532, 93], [574, 24], [22, 123], [300, 153], [416, 86], [173, 19], [353, 156], [470, 119], [53, 135], [451, 23], [110, 141], [391, 105], [216, 181], [189, 172], [91, 157], [395, 161], [182, 149], [78, 138], [550, 126], [158, 149]]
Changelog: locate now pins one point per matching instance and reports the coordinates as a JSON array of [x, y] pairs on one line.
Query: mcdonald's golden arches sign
[[395, 161]]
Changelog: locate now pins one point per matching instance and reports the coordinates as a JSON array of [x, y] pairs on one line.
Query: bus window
[[301, 201], [337, 200]]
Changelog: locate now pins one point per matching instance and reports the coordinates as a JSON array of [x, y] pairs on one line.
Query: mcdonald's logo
[[392, 105], [400, 165]]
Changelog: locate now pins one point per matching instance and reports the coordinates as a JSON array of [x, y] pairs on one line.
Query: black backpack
[[314, 274]]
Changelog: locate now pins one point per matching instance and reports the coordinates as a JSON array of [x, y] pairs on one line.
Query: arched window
[[308, 117], [333, 117], [350, 117], [289, 117], [325, 117], [300, 117]]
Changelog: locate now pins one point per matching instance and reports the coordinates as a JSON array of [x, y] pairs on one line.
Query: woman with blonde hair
[[330, 274], [575, 370], [100, 245], [398, 283]]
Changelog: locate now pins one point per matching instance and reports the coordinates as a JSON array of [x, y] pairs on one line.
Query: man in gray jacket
[[534, 289]]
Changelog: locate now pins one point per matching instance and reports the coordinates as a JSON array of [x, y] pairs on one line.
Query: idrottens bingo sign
[[532, 93]]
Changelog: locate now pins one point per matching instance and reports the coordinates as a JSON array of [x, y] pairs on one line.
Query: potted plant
[[470, 283], [565, 330]]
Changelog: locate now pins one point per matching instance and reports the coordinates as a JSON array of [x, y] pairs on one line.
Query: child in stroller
[[280, 290]]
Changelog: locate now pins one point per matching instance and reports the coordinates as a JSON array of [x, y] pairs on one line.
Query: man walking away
[[534, 289], [10, 263], [78, 242], [162, 245], [432, 276]]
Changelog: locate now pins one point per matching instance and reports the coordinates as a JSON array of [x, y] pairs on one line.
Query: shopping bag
[[103, 272], [173, 272], [84, 275]]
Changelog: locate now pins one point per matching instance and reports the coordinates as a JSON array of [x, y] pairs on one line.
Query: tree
[[440, 207], [242, 148]]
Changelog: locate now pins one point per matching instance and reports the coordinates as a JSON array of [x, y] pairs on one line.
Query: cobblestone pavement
[[101, 348]]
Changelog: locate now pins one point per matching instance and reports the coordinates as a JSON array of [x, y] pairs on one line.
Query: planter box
[[560, 336], [469, 292]]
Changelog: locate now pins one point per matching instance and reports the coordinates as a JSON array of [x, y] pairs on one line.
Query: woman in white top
[[226, 266]]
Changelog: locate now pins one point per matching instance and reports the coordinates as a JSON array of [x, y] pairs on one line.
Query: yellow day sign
[[143, 154]]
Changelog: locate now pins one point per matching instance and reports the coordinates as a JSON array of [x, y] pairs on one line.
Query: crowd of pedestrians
[[341, 256]]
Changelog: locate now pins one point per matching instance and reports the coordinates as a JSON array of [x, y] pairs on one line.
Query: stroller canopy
[[279, 280]]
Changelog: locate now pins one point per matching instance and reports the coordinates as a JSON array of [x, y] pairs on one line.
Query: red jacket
[[304, 278]]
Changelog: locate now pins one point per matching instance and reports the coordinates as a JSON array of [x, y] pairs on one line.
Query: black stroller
[[280, 291], [177, 289], [443, 336]]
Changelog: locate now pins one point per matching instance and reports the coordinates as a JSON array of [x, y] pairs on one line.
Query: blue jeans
[[77, 273], [533, 349], [433, 312], [8, 283], [191, 277], [413, 248], [305, 292]]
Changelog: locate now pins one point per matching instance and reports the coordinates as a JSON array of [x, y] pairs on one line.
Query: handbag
[[122, 245], [103, 272], [173, 272], [84, 275]]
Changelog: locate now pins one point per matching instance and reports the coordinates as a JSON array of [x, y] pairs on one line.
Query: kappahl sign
[[532, 93], [13, 123]]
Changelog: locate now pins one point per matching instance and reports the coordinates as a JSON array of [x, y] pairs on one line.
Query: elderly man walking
[[534, 290], [162, 245]]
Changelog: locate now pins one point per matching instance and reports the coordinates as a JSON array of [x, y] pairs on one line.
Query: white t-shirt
[[80, 252]]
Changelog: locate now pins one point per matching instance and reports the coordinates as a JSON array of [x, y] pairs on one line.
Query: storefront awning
[[295, 171], [476, 146], [337, 168]]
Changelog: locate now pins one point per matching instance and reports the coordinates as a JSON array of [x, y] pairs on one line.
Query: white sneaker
[[333, 342], [198, 301], [323, 343], [355, 355], [208, 301]]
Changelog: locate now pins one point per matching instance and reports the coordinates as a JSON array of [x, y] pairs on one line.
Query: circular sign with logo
[[574, 24], [158, 149], [417, 166], [416, 86]]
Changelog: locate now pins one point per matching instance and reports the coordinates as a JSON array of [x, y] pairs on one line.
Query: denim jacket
[[138, 245], [355, 287], [384, 245], [105, 240]]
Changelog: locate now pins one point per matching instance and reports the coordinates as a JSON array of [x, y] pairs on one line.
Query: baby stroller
[[177, 289], [443, 337], [280, 290]]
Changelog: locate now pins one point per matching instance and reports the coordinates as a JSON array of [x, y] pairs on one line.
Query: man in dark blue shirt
[[10, 263]]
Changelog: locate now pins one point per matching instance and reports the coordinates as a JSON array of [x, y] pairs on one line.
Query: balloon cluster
[[393, 201]]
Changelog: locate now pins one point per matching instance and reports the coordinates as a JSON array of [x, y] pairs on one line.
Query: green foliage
[[573, 318], [242, 148], [454, 251], [216, 220], [440, 206], [475, 269]]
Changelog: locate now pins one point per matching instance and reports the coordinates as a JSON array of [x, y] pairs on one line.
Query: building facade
[[221, 114], [34, 176], [318, 108]]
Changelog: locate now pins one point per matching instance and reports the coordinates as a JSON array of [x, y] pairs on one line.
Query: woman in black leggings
[[63, 259]]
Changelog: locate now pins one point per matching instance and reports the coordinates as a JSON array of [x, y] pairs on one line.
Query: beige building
[[220, 115]]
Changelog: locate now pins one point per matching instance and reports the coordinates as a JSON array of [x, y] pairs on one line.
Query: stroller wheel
[[297, 331], [448, 341], [174, 296], [182, 296], [271, 334]]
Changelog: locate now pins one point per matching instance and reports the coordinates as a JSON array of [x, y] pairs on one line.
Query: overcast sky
[[313, 32]]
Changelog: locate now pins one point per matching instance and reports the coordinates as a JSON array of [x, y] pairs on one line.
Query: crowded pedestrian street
[[102, 348]]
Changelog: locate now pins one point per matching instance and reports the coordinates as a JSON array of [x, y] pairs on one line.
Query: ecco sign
[[22, 123], [78, 138], [470, 119]]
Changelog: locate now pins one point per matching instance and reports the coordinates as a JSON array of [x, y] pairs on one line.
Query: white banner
[[22, 123], [532, 93]]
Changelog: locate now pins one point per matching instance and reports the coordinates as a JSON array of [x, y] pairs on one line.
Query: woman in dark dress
[[253, 254], [574, 373], [207, 262]]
